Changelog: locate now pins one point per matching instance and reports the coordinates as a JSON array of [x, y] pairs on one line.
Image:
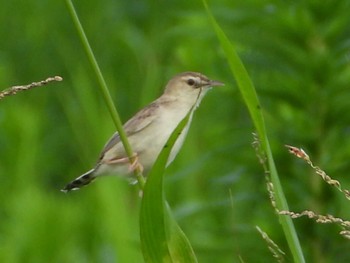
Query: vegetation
[[297, 55]]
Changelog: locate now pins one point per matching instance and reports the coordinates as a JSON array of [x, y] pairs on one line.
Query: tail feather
[[79, 182]]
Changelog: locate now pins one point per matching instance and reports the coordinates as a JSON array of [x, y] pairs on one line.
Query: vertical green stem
[[252, 102], [104, 89]]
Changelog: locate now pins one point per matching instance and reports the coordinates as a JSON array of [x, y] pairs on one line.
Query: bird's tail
[[80, 181]]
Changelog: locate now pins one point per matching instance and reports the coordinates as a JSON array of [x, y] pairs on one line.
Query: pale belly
[[154, 140], [148, 143]]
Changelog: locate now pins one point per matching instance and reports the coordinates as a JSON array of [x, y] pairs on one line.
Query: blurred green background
[[297, 53]]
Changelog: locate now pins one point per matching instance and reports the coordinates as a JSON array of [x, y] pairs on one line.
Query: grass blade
[[250, 97], [162, 240]]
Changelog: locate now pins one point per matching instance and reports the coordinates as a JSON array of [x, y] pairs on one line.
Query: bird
[[149, 129]]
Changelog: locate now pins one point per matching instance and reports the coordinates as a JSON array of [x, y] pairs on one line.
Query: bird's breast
[[155, 136]]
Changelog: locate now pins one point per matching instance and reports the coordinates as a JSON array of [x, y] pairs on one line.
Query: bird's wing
[[137, 123]]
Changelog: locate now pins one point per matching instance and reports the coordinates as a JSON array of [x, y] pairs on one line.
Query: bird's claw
[[135, 164]]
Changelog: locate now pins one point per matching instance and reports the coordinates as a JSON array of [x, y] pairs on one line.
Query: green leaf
[[250, 97], [162, 240]]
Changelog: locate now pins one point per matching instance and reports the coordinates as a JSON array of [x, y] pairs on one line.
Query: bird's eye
[[191, 82]]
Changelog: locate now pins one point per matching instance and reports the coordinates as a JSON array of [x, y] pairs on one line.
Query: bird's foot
[[135, 165]]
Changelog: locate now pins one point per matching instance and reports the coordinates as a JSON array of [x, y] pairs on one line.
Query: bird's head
[[190, 85]]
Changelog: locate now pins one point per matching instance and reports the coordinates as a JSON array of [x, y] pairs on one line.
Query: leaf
[[250, 97], [162, 240]]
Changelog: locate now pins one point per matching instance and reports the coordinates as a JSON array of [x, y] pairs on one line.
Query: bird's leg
[[135, 165]]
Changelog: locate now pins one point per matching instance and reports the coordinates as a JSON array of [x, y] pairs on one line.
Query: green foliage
[[250, 97], [296, 53], [162, 240]]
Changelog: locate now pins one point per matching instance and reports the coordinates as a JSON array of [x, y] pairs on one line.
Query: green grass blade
[[179, 246], [252, 102], [104, 89], [162, 240]]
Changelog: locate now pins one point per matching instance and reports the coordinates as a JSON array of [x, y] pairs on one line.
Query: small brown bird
[[150, 128]]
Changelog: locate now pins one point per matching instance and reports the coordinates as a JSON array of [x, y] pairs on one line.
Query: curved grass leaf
[[250, 97], [162, 240]]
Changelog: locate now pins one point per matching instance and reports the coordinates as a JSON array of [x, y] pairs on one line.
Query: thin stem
[[105, 92]]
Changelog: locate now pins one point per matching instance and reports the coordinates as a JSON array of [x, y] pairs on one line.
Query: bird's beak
[[214, 83]]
